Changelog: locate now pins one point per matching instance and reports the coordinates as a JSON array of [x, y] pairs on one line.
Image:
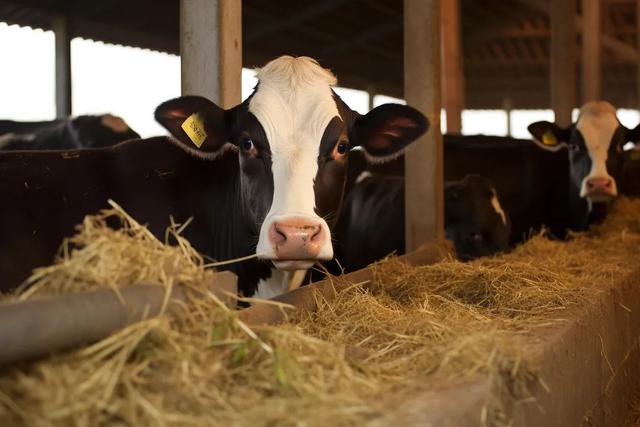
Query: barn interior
[[476, 54]]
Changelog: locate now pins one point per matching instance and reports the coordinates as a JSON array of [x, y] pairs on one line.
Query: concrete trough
[[589, 362]]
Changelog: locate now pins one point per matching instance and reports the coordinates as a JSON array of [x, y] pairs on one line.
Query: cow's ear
[[387, 130], [199, 125], [549, 136], [632, 135]]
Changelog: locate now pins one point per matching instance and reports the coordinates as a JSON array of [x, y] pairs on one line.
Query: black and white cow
[[265, 177], [594, 147], [630, 185], [65, 134], [474, 220]]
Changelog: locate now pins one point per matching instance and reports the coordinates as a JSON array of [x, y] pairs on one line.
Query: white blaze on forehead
[[294, 104], [497, 207], [597, 123]]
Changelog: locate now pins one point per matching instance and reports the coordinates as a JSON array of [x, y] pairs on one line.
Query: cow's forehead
[[293, 101], [597, 123]]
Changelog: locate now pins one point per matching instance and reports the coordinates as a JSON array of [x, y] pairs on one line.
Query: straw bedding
[[413, 326]]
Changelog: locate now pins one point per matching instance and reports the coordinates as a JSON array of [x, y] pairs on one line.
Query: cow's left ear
[[549, 136], [199, 126], [387, 130], [632, 135]]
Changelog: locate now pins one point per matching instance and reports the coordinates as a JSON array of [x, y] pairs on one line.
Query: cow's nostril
[[315, 233], [607, 184], [590, 184], [279, 235]]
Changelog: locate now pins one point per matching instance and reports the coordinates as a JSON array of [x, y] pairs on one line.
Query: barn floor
[[546, 335]]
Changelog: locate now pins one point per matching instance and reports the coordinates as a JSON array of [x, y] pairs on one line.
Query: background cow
[[65, 134], [594, 150], [372, 223], [265, 177]]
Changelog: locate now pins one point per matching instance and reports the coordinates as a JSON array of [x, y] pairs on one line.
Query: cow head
[[595, 144], [475, 220], [292, 137]]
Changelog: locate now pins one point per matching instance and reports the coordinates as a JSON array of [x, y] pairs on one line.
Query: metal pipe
[[46, 325]]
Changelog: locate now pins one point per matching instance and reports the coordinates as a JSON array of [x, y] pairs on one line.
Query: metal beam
[[211, 49], [60, 26], [424, 172], [306, 14], [615, 46]]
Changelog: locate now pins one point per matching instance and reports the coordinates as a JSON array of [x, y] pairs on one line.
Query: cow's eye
[[342, 148], [247, 145]]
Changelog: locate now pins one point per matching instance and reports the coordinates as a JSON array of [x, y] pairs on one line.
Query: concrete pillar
[[211, 50]]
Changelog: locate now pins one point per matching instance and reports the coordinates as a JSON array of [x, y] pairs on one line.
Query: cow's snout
[[600, 188], [297, 238]]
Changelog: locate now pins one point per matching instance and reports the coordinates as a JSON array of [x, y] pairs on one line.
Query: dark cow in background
[[265, 177], [65, 134], [561, 181], [523, 175], [630, 185], [373, 220]]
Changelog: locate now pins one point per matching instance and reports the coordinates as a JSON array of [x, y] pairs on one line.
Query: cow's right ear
[[549, 136], [199, 125]]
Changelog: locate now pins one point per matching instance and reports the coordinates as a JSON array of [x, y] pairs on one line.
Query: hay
[[415, 325]]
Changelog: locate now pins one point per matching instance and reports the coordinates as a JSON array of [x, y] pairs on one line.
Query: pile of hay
[[413, 326]]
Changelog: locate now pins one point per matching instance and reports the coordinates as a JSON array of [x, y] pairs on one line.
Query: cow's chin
[[600, 197], [291, 265]]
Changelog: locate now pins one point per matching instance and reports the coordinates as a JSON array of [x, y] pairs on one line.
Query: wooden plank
[[563, 44], [591, 50], [211, 49], [60, 26], [424, 201], [452, 68]]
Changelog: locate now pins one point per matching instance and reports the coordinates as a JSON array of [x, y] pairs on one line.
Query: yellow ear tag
[[549, 139], [194, 128]]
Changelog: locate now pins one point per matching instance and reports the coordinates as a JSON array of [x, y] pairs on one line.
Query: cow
[[561, 180], [523, 175], [265, 177], [594, 150], [630, 185], [474, 220], [65, 134]]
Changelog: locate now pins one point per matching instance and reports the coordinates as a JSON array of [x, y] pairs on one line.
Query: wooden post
[[563, 46], [424, 161], [591, 50], [211, 50], [452, 69], [63, 65]]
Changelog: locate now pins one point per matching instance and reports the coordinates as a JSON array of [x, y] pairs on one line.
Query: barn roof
[[505, 42]]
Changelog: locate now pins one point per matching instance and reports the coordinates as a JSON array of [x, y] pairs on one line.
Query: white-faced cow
[[594, 145], [265, 177], [65, 134]]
